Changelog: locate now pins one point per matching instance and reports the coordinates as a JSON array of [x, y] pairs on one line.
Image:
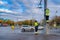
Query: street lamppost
[[45, 7]]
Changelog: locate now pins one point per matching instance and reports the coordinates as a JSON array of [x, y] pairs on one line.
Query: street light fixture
[[40, 4]]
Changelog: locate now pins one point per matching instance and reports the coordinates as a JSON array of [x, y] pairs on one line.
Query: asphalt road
[[6, 33], [24, 36]]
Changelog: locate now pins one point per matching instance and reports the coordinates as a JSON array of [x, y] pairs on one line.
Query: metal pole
[[45, 7]]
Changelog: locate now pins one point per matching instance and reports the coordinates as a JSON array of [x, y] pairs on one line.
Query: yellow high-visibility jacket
[[12, 27], [47, 12], [36, 24]]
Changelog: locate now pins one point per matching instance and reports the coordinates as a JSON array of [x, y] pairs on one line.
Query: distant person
[[36, 24], [12, 27]]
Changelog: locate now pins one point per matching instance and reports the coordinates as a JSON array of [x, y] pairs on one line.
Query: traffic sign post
[[46, 17]]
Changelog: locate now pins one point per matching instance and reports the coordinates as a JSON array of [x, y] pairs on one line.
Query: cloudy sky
[[18, 10]]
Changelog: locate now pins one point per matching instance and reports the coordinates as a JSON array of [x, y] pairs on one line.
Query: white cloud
[[51, 4], [5, 10], [1, 2], [32, 9], [8, 11]]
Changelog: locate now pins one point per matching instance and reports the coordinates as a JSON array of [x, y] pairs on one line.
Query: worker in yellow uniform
[[36, 26], [12, 27], [47, 15]]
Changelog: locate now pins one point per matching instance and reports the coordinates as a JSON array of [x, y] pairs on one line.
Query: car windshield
[[25, 26]]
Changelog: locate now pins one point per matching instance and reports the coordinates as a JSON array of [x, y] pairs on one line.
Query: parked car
[[27, 28], [30, 28], [5, 25], [40, 28]]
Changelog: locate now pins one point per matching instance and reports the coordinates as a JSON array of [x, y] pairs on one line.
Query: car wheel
[[23, 30], [32, 30]]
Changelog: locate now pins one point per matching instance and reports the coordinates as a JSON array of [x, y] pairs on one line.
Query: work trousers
[[47, 17], [36, 28]]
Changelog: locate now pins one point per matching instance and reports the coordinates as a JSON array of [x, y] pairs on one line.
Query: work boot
[[36, 33]]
